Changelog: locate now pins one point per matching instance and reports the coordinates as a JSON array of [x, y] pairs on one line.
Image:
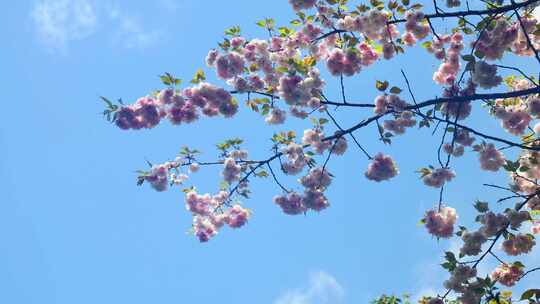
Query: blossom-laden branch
[[281, 78]]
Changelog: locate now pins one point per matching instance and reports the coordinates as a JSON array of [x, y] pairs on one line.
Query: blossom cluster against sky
[[76, 229]]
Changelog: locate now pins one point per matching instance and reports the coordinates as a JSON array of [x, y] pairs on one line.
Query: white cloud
[[323, 288], [130, 32], [60, 21]]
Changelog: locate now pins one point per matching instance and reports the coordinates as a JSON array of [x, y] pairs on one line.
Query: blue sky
[[76, 229]]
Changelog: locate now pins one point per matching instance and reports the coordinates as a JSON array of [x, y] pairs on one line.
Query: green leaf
[[169, 79], [107, 101], [233, 31], [395, 90], [166, 80], [198, 77], [468, 57], [296, 22], [481, 206], [262, 173], [426, 44], [530, 293], [467, 30], [381, 85]]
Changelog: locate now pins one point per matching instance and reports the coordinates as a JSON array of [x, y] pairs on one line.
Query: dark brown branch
[[486, 136], [519, 71], [472, 97], [530, 271], [352, 135], [275, 178]]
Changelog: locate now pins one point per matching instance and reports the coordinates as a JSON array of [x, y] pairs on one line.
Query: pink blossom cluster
[[523, 184], [514, 120], [302, 4], [471, 294], [316, 179], [495, 41], [348, 62], [385, 103], [315, 183], [507, 35], [517, 218], [521, 44], [459, 279], [446, 74], [534, 203], [238, 154], [535, 228], [519, 244], [339, 147], [400, 122], [238, 216], [241, 84], [507, 275], [440, 223], [294, 203], [296, 160], [229, 65], [158, 177], [416, 27], [206, 221], [203, 228], [315, 200], [463, 137], [533, 106], [178, 179], [177, 107], [314, 138], [472, 243], [436, 178], [299, 113], [492, 223], [296, 90], [291, 203], [194, 167], [231, 170], [381, 168], [276, 117], [144, 113], [372, 24], [232, 65], [460, 110], [490, 158], [454, 150], [485, 75], [204, 204], [461, 140]]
